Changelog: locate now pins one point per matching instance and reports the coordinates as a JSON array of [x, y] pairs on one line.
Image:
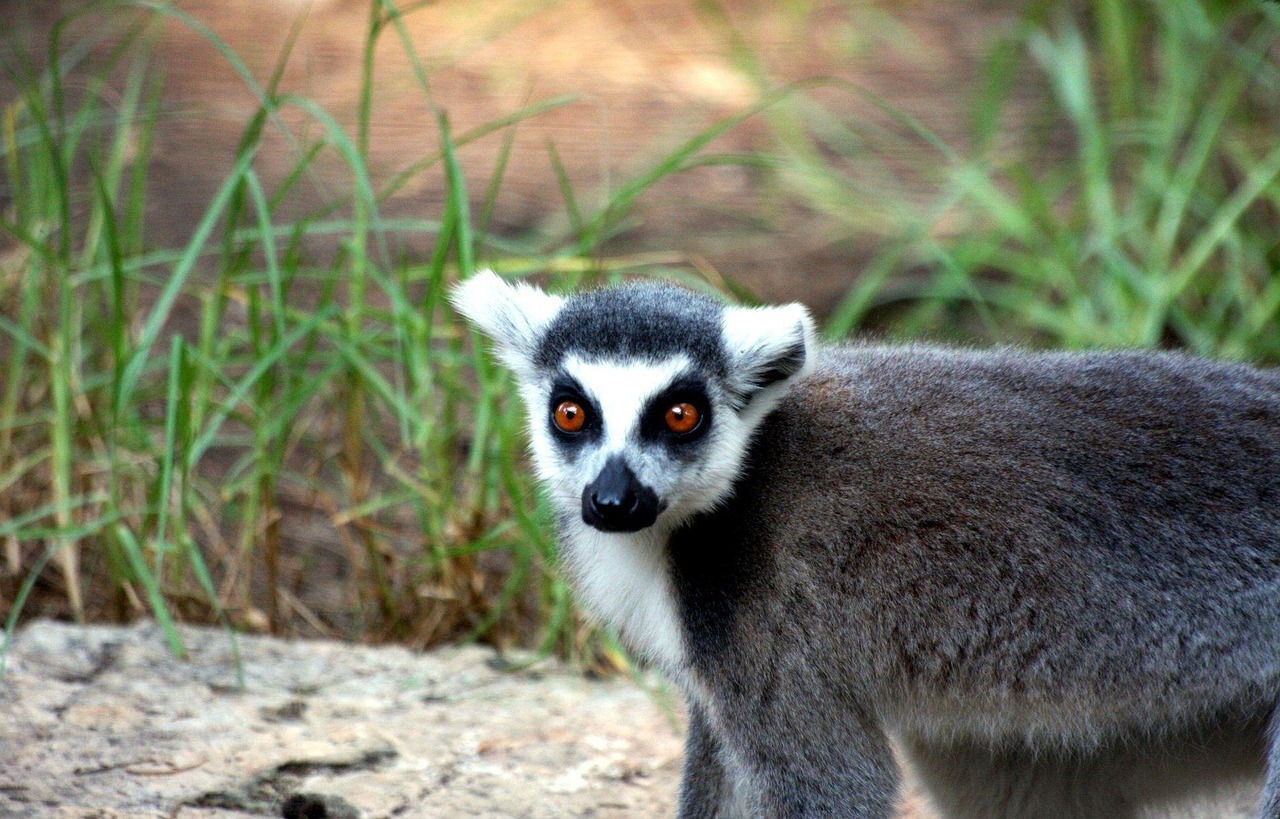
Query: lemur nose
[[616, 501], [610, 503]]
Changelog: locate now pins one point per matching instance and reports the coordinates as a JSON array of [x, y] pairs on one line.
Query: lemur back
[[1052, 579], [1043, 528]]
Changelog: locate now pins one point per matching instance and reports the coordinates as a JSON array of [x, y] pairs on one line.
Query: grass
[[166, 415], [1153, 222], [152, 455]]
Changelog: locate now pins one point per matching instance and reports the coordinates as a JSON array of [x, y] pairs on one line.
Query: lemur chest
[[625, 580]]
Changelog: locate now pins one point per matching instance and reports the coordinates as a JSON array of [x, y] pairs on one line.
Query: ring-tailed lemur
[[1053, 578]]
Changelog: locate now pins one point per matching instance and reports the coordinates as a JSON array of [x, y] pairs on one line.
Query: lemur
[[1052, 580]]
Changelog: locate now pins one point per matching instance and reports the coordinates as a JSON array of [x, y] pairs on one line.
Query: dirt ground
[[104, 722]]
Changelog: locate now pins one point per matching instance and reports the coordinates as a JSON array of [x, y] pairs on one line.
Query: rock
[[104, 722]]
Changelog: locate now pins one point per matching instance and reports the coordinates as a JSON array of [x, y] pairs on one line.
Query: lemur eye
[[570, 416], [682, 418]]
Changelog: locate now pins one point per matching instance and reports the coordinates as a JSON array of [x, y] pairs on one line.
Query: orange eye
[[682, 418], [570, 416]]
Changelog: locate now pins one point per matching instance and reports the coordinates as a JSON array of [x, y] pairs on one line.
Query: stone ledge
[[104, 722]]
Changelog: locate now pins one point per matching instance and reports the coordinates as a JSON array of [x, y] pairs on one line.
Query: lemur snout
[[616, 501]]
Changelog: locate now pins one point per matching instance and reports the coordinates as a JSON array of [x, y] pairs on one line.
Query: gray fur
[[662, 320], [1025, 565], [1053, 578]]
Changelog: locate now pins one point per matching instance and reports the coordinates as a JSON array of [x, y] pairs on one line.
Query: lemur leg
[[968, 782], [806, 762], [706, 787]]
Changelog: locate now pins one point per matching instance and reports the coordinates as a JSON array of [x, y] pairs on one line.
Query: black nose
[[616, 501]]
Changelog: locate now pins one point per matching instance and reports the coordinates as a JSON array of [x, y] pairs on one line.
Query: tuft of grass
[[1145, 215], [167, 415]]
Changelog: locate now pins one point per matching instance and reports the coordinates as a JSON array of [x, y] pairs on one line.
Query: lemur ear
[[767, 347], [515, 316]]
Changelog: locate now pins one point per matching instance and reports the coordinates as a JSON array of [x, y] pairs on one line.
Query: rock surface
[[105, 722]]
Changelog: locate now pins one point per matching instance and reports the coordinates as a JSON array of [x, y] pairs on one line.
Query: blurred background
[[231, 390]]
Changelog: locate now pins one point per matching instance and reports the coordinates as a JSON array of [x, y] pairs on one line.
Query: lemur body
[[1054, 578]]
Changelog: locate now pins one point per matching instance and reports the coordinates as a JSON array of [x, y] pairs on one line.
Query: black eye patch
[[567, 388], [653, 423]]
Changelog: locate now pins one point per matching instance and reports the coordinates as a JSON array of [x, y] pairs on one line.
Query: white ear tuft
[[768, 347], [515, 316]]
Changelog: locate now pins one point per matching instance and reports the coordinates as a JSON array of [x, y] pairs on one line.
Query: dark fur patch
[[765, 374], [642, 320], [653, 426], [790, 362], [715, 565], [567, 388]]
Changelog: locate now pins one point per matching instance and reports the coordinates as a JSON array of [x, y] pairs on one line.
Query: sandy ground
[[105, 722]]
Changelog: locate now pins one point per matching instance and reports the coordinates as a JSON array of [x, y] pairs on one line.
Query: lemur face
[[642, 399]]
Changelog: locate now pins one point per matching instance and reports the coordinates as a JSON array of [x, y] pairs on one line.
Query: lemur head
[[642, 398]]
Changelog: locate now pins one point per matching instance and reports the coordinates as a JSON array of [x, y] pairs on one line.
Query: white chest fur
[[625, 579]]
